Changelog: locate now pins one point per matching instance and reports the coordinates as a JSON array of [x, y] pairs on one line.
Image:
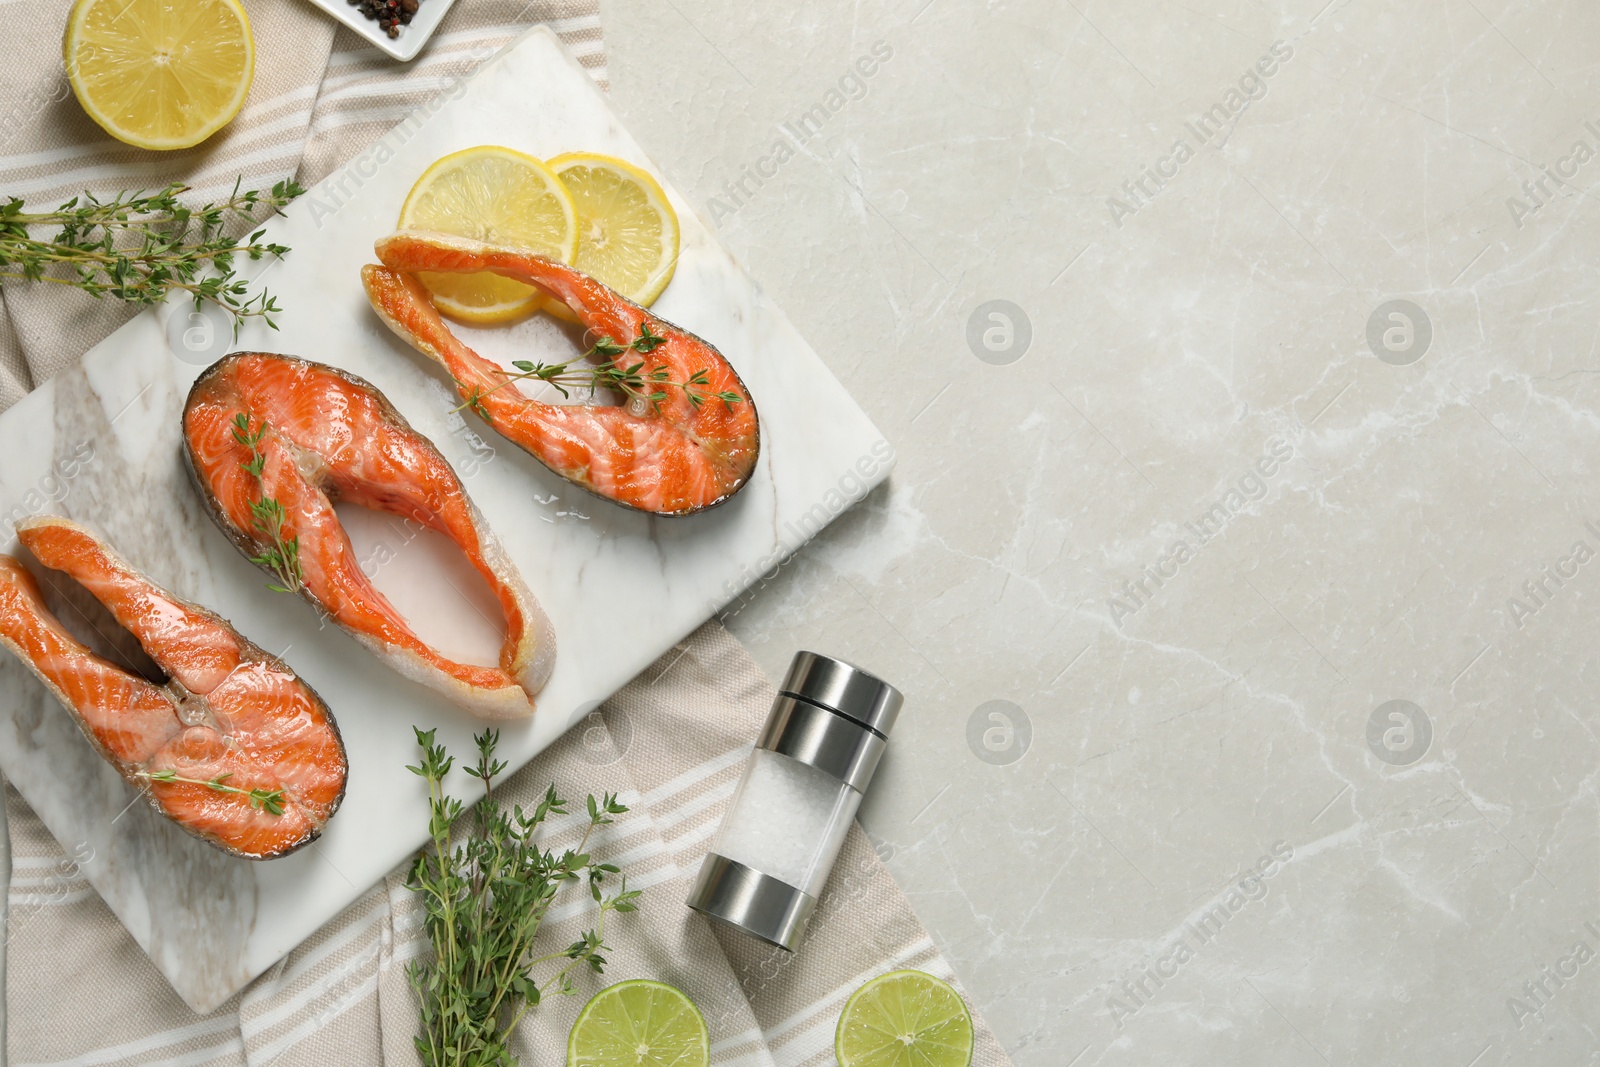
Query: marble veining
[[1350, 669]]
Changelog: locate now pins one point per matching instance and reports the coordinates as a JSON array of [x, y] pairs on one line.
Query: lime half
[[904, 1019], [639, 1023]]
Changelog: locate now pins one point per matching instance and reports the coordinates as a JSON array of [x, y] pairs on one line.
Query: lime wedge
[[639, 1023], [904, 1019]]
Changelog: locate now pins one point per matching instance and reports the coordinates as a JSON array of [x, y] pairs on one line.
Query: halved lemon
[[159, 74], [627, 231], [502, 197]]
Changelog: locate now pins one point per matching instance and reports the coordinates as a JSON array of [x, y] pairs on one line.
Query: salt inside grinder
[[796, 799]]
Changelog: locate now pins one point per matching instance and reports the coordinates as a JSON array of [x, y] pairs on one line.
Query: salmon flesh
[[233, 747], [669, 457], [311, 435]]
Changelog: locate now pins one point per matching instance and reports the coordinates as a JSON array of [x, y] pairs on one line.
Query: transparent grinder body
[[796, 799]]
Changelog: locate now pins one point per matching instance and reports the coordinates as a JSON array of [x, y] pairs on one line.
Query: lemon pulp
[[159, 74], [627, 230], [501, 197]]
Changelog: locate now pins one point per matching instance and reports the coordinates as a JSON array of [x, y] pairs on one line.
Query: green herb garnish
[[141, 248], [632, 380], [485, 900], [282, 556], [267, 800]]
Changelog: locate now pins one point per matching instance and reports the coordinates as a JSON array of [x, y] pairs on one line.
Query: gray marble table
[[1397, 882], [1240, 565]]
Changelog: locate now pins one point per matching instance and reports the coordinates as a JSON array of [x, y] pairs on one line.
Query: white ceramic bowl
[[412, 37]]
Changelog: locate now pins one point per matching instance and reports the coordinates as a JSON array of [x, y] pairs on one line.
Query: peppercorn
[[390, 15]]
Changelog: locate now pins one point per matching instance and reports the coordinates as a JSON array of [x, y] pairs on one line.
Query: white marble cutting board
[[100, 443]]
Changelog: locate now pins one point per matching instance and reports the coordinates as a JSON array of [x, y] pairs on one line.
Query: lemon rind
[[671, 231], [69, 41], [507, 312]]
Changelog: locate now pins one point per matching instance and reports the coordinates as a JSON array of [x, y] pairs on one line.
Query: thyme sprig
[[484, 902], [267, 800], [641, 387], [142, 247], [281, 556]]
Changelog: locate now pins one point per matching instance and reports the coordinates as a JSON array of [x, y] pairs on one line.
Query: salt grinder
[[796, 799]]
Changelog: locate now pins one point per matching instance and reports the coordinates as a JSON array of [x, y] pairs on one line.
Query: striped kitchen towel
[[320, 95], [672, 743]]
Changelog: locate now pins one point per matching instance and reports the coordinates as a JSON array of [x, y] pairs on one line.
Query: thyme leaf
[[641, 387], [141, 247], [484, 899], [282, 555], [267, 800]]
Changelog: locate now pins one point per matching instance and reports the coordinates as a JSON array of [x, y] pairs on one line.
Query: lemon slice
[[639, 1023], [904, 1019], [501, 197], [627, 231], [159, 73]]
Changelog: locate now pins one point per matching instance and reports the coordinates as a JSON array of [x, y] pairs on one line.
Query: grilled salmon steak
[[272, 441], [233, 747], [689, 440]]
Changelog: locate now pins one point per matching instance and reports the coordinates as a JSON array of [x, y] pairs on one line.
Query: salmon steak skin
[[272, 441], [233, 747], [689, 449]]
